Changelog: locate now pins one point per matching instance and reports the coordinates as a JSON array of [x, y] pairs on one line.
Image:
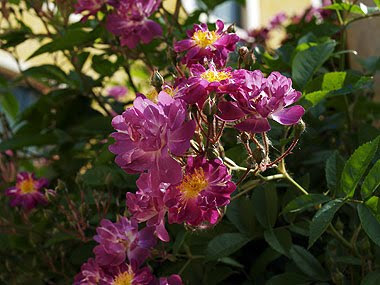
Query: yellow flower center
[[213, 75], [27, 186], [170, 91], [152, 95], [193, 184], [205, 39], [124, 278]]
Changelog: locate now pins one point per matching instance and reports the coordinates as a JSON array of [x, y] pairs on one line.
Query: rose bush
[[168, 151]]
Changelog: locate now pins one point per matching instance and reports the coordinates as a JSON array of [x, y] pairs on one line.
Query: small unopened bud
[[258, 155], [231, 28], [364, 245], [207, 108], [339, 225], [249, 59], [251, 162], [157, 80], [243, 51], [212, 153], [338, 278], [299, 128], [244, 137], [60, 185]]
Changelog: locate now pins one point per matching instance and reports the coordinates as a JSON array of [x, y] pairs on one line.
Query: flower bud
[[337, 277], [339, 225], [212, 153], [157, 80], [258, 155], [243, 51], [249, 59], [299, 128], [231, 28], [244, 137]]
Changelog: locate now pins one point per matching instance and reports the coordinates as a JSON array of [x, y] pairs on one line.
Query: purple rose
[[147, 132]]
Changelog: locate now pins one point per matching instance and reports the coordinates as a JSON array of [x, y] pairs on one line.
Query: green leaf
[[356, 166], [307, 263], [288, 278], [46, 73], [73, 37], [305, 201], [335, 84], [348, 260], [373, 204], [29, 140], [369, 223], [322, 219], [371, 182], [377, 2], [225, 244], [372, 278], [307, 62], [241, 213], [333, 169], [265, 205], [279, 239], [345, 7], [9, 104]]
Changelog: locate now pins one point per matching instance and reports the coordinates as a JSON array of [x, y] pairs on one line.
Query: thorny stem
[[282, 156]]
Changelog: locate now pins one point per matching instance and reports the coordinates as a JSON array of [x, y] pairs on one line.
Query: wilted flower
[[205, 188], [117, 92], [202, 83], [130, 22], [28, 191], [147, 132], [147, 204], [204, 44], [121, 240], [260, 99]]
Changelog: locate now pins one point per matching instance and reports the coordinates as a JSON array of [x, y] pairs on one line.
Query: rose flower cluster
[[173, 140]]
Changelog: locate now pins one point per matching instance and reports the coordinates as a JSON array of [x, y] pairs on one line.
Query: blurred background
[[248, 15]]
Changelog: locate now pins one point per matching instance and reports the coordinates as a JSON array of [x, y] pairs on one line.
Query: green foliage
[[356, 166]]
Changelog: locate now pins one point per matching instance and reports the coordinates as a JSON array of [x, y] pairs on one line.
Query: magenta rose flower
[[205, 188], [93, 274], [204, 44], [203, 81], [147, 132], [28, 191], [147, 205], [130, 22], [130, 275], [90, 7], [121, 240], [171, 280], [260, 99]]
